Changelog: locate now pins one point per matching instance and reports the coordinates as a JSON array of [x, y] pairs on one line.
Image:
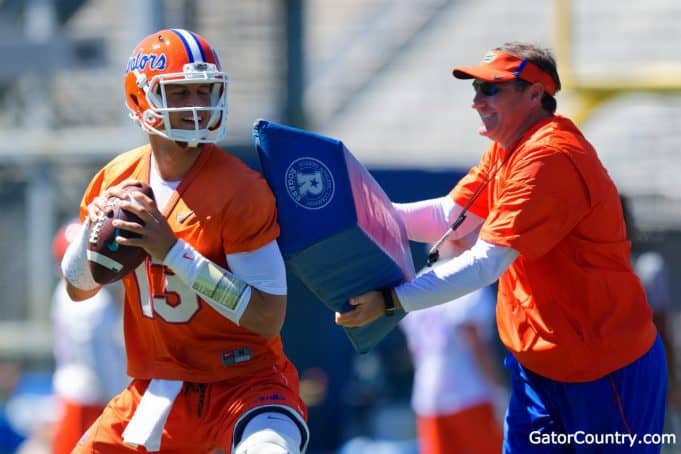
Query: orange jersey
[[570, 306], [220, 207]]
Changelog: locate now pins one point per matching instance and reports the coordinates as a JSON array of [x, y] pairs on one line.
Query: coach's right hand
[[366, 308]]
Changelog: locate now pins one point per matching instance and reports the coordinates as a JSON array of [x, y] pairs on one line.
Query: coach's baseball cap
[[500, 66]]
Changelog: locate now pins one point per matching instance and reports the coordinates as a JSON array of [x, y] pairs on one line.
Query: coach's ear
[[536, 91]]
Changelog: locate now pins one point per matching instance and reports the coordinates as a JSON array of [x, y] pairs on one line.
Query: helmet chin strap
[[186, 145]]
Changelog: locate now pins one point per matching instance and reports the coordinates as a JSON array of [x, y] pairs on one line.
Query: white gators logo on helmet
[[309, 183]]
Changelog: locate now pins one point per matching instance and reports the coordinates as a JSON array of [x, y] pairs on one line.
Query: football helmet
[[175, 56]]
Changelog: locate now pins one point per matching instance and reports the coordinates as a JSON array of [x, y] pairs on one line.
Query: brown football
[[110, 261]]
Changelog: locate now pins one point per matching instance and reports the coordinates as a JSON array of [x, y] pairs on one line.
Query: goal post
[[592, 84]]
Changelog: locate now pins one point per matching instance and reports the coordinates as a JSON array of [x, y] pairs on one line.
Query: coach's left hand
[[366, 308]]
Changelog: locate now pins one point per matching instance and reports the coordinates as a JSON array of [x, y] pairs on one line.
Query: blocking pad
[[340, 234]]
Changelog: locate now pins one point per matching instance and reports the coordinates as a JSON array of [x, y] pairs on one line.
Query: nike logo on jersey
[[181, 217]]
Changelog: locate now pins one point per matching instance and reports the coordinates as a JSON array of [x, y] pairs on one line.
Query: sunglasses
[[486, 88]]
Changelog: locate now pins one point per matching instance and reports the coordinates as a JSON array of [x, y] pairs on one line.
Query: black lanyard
[[434, 253]]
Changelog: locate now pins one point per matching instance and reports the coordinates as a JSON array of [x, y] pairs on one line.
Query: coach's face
[[505, 109]]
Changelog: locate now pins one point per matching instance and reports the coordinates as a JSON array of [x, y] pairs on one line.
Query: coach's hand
[[365, 309]]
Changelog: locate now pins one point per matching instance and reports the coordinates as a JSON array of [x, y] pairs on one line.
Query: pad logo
[[310, 183]]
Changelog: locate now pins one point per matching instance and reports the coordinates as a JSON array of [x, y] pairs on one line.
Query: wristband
[[74, 265], [388, 301], [223, 291]]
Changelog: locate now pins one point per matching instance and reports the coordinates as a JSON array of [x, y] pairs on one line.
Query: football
[[110, 261]]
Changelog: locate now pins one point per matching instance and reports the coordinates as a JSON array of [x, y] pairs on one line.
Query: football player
[[203, 313]]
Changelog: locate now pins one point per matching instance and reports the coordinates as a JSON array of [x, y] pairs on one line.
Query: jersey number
[[164, 294]]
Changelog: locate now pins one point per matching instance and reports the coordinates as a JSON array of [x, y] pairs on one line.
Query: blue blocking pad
[[340, 234]]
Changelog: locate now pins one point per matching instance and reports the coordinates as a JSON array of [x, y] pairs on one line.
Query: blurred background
[[373, 73]]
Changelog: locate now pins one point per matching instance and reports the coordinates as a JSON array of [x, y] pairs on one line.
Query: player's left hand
[[156, 236], [366, 308]]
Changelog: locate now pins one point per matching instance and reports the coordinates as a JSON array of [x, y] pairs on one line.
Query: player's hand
[[366, 308], [100, 204], [156, 236]]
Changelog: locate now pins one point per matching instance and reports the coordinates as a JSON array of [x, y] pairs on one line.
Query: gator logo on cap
[[489, 57]]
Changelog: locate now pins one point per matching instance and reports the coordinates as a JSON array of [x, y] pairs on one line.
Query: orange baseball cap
[[500, 66]]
